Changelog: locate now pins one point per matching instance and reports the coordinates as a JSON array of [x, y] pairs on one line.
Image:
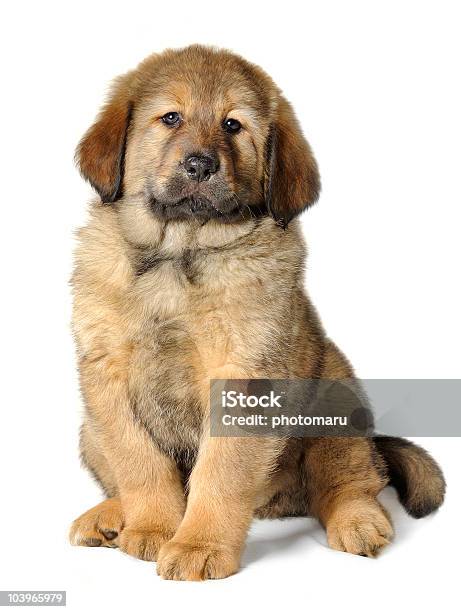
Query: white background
[[376, 86]]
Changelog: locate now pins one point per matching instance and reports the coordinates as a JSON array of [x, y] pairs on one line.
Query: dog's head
[[200, 133]]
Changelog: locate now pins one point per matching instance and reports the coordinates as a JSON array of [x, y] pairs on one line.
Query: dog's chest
[[152, 263], [183, 334]]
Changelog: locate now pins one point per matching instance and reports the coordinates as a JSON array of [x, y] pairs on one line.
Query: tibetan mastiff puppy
[[191, 269]]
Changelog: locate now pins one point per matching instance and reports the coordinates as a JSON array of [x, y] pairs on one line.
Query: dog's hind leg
[[95, 462], [343, 479], [99, 526]]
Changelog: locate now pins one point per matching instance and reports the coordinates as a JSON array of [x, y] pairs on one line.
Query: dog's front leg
[[224, 486], [147, 481]]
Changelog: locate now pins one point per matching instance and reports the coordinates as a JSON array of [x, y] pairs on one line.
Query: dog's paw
[[99, 526], [360, 527], [181, 561], [144, 543]]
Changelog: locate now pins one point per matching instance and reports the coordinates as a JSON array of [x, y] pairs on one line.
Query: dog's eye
[[232, 126], [171, 118]]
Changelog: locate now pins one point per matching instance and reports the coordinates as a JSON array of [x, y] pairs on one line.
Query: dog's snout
[[201, 167]]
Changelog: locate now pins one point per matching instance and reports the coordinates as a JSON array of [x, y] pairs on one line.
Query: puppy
[[191, 269]]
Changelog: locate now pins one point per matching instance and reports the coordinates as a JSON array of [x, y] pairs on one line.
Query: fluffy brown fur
[[179, 281]]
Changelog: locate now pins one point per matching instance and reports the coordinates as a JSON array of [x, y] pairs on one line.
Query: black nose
[[201, 167]]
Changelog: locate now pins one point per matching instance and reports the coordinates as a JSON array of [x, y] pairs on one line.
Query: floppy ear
[[100, 154], [292, 177]]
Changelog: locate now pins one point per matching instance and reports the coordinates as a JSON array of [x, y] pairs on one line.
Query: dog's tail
[[416, 476]]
